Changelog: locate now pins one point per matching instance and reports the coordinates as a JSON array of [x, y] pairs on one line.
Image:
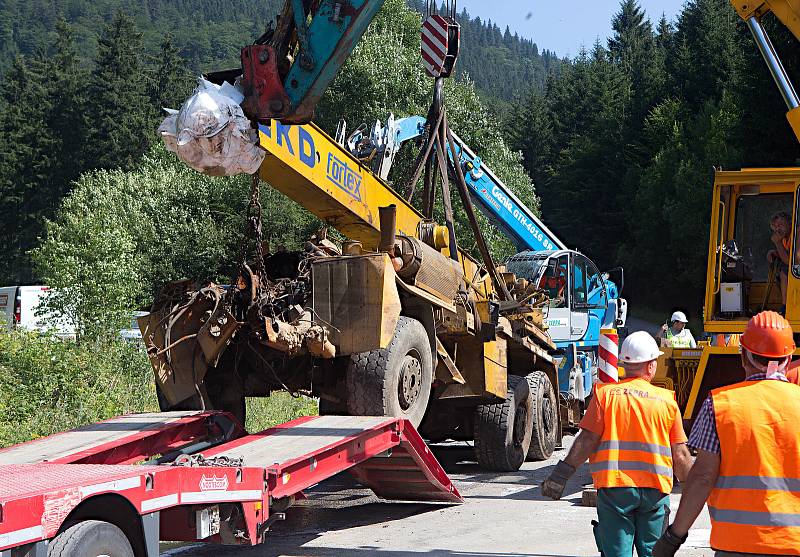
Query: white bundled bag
[[211, 134]]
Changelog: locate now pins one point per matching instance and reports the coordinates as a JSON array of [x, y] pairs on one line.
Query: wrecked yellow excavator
[[398, 320]]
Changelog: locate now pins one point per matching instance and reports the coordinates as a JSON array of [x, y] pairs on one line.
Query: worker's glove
[[554, 485], [668, 544]]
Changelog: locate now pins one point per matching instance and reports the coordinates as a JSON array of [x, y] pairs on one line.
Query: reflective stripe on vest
[[634, 449], [630, 466], [755, 504]]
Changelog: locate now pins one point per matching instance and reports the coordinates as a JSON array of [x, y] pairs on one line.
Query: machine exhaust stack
[[388, 224]]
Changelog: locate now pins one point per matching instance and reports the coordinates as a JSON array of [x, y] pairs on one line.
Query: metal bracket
[[264, 527]]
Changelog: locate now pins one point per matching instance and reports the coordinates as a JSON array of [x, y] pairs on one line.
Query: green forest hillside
[[622, 142], [502, 65], [207, 32]]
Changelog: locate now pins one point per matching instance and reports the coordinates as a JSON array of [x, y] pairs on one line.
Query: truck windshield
[[526, 266], [752, 228]]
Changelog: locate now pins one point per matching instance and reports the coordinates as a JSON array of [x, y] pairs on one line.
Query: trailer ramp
[[42, 482]]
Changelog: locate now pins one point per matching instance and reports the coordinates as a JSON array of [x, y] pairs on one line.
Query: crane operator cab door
[[556, 281], [754, 249], [579, 314], [752, 267], [578, 298]]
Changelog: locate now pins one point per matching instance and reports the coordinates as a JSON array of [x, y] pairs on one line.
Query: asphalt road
[[504, 515]]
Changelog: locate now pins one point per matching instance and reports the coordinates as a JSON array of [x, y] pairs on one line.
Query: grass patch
[[49, 385], [263, 413]]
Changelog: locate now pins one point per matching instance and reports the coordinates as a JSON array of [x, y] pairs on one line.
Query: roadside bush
[[49, 385]]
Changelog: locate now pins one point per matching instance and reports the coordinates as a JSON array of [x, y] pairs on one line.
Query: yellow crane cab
[[740, 279]]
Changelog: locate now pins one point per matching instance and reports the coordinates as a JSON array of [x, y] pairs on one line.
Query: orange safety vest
[[755, 505], [634, 449], [733, 340]]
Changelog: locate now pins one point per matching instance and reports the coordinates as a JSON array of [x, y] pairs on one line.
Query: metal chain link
[[196, 460], [255, 214], [253, 231]]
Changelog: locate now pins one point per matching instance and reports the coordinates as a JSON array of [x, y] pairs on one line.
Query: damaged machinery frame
[[397, 322]]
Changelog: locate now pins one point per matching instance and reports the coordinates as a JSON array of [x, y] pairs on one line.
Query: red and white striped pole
[[608, 352]]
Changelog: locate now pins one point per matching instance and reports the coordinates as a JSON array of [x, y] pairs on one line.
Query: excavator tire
[[503, 430], [544, 414], [394, 381]]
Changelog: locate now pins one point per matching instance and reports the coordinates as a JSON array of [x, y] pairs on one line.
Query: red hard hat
[[769, 334]]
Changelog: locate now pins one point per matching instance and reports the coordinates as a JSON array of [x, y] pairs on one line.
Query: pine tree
[[26, 160], [119, 117], [172, 81], [66, 115], [533, 135]]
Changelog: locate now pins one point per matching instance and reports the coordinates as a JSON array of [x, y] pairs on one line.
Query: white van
[[19, 307]]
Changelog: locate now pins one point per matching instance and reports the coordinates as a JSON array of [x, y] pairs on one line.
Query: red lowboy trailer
[[118, 487]]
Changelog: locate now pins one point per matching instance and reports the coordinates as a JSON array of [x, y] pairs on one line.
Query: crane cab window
[[579, 290], [752, 229], [596, 296], [796, 242], [554, 281]]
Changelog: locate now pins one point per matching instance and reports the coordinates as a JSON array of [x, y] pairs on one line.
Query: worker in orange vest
[[633, 435], [748, 463]]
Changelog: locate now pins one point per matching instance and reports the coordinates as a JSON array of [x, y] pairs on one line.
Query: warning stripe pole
[[608, 352]]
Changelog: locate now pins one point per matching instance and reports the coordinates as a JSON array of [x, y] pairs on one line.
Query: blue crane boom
[[502, 207]]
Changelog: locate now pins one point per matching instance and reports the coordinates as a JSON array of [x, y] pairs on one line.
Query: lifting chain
[[253, 231], [255, 213], [196, 460]]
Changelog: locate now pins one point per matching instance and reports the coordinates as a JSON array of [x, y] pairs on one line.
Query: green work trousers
[[630, 517]]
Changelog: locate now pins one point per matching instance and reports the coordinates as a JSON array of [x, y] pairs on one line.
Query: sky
[[562, 25]]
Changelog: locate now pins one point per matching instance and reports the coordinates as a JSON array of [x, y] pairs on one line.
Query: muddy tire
[[544, 411], [91, 538], [330, 408], [395, 381], [503, 430]]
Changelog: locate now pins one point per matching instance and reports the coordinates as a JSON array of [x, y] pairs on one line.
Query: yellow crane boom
[[788, 12]]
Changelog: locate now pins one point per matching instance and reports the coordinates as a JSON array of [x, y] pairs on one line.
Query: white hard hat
[[638, 348], [678, 316]]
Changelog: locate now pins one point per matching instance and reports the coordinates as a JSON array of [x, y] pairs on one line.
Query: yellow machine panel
[[358, 298]]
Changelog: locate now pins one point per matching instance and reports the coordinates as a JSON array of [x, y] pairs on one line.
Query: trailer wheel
[[545, 416], [91, 538], [394, 381], [503, 430]]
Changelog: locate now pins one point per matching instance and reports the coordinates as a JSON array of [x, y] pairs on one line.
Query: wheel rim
[[547, 415], [520, 425], [410, 384]]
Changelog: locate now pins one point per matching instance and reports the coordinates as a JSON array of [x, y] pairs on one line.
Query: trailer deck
[[189, 476]]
